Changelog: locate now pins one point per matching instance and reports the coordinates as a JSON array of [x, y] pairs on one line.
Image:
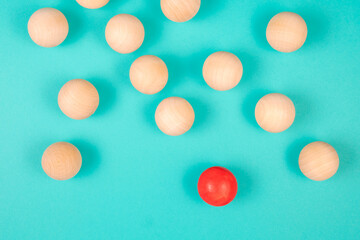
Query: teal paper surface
[[138, 183]]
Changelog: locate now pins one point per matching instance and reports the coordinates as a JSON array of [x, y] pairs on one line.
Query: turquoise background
[[138, 183]]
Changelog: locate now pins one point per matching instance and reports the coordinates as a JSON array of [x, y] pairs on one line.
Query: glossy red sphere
[[217, 186]]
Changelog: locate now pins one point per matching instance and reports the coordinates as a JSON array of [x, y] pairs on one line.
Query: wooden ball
[[222, 71], [148, 74], [275, 112], [174, 116], [92, 4], [61, 161], [286, 32], [78, 99], [318, 161], [124, 33], [180, 10], [48, 27]]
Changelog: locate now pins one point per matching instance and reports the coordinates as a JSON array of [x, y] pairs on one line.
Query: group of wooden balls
[[79, 99]]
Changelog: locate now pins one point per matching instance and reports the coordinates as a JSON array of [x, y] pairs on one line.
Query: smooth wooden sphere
[[48, 27], [174, 116], [92, 4], [124, 33], [61, 161], [318, 161], [180, 10], [275, 112], [286, 32], [78, 99], [148, 74], [222, 71]]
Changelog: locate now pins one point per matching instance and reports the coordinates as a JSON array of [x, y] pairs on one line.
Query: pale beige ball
[[48, 27], [92, 4], [61, 161], [174, 116], [222, 71], [78, 99], [180, 10], [124, 33], [318, 161], [275, 112], [286, 32], [148, 74]]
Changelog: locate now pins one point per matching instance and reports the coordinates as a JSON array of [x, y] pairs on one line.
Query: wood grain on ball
[[124, 33], [61, 161], [318, 161], [286, 32], [174, 116], [78, 99], [275, 112], [148, 74], [222, 71], [48, 27], [180, 10], [92, 4]]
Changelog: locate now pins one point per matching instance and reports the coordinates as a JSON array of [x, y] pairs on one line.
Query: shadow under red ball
[[217, 186]]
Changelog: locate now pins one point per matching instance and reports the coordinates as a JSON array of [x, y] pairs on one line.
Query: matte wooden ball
[[48, 27], [275, 112], [318, 161], [148, 74], [124, 33], [222, 71], [180, 10], [78, 99], [174, 116], [92, 4], [61, 161], [286, 32]]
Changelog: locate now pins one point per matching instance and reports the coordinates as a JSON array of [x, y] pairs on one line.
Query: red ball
[[217, 186]]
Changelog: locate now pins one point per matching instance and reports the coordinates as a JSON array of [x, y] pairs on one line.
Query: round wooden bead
[[124, 33], [318, 161], [48, 27], [222, 71], [275, 112], [78, 99], [148, 74], [180, 10], [61, 161], [92, 4], [174, 116], [286, 32]]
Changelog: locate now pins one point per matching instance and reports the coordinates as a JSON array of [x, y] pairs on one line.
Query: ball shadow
[[191, 178], [90, 157], [208, 8], [244, 181], [107, 94], [202, 112], [249, 104], [259, 21], [292, 154], [317, 25]]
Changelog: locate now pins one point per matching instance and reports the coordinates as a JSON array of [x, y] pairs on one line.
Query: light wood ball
[[174, 116], [275, 112], [92, 4], [286, 32], [318, 161], [78, 99], [124, 33], [222, 71], [148, 74], [180, 10], [61, 161], [48, 27]]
